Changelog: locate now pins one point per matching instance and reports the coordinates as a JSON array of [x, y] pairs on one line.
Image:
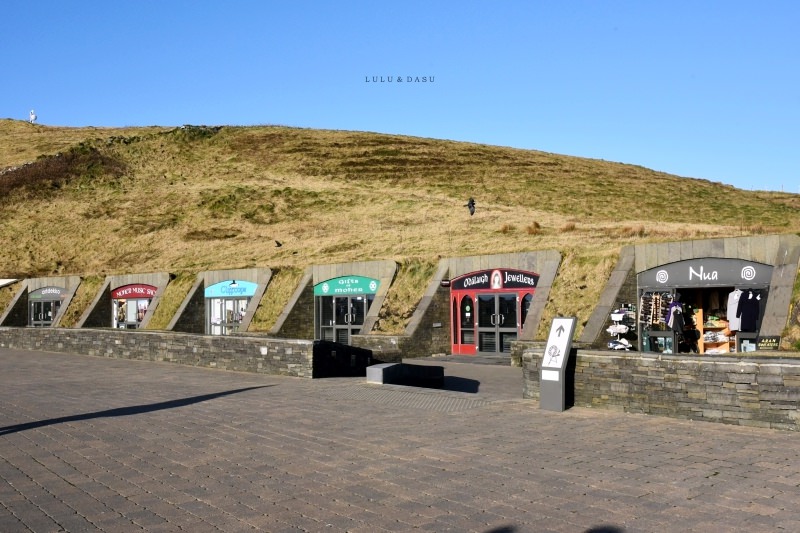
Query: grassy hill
[[94, 201]]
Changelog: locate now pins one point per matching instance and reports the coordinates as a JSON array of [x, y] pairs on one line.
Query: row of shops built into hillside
[[711, 296]]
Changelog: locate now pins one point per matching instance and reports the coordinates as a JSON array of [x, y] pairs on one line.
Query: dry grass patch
[[507, 228], [84, 296], [413, 277], [7, 294], [568, 227], [533, 229], [282, 285], [171, 300], [191, 199], [581, 279]]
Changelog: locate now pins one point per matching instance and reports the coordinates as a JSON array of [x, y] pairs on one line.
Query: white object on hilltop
[[32, 117]]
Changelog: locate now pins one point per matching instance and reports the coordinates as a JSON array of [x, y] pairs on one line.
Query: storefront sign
[[500, 278], [231, 289], [137, 290], [709, 272], [48, 294], [768, 342], [347, 285]]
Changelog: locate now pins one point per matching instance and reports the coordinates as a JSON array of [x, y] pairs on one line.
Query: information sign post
[[552, 386]]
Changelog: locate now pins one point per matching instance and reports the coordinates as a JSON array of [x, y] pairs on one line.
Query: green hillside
[[94, 201]]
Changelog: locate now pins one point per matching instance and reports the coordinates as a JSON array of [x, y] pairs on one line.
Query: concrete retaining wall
[[235, 352], [756, 391]]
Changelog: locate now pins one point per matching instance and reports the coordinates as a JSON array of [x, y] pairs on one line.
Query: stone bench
[[405, 374]]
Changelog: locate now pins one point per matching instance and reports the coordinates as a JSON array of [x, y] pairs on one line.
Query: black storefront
[[703, 306]]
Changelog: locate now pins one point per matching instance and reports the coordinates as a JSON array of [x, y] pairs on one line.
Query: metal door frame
[[43, 322], [349, 322], [498, 326]]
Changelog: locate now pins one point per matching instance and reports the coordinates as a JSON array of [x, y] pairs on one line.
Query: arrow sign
[[554, 380], [559, 342]]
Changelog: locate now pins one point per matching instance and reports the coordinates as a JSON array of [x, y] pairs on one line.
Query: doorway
[[43, 312], [489, 309], [43, 306], [341, 317], [497, 322], [226, 314]]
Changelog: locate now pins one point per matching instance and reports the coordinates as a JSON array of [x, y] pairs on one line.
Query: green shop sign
[[347, 285]]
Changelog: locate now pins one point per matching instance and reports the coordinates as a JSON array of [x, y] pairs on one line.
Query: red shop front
[[488, 310]]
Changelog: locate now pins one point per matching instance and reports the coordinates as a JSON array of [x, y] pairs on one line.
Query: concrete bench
[[405, 374]]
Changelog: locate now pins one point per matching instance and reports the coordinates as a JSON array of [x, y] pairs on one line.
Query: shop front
[[489, 309], [44, 304], [703, 306], [129, 304], [341, 305], [226, 305]]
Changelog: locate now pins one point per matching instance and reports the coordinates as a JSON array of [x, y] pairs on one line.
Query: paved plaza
[[94, 444]]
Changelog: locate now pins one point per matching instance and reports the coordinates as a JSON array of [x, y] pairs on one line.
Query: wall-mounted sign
[[231, 289], [136, 290], [708, 272], [48, 293], [347, 285], [496, 279], [768, 342]]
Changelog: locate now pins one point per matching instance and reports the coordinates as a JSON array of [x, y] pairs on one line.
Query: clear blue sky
[[704, 89]]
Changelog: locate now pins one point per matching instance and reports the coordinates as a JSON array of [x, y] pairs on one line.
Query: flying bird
[[471, 205], [278, 244]]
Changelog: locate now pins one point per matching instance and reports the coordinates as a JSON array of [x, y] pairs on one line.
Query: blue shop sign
[[232, 288]]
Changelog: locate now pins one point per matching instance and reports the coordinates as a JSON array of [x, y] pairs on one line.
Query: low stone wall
[[752, 391], [386, 348], [237, 352]]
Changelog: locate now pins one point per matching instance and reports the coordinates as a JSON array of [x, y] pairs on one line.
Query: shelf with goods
[[715, 335]]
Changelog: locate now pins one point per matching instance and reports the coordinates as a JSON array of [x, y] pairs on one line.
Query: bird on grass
[[471, 205]]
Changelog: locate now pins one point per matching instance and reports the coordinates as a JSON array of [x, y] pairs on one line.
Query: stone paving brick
[[338, 455]]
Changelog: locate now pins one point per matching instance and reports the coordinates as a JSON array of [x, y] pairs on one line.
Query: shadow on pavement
[[125, 411], [457, 384]]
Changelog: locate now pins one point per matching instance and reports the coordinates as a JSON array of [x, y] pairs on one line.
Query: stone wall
[[753, 391], [243, 353], [430, 334]]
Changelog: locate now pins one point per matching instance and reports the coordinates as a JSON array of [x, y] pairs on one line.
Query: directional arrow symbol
[[560, 330]]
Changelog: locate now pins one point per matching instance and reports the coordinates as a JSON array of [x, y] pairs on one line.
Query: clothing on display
[[654, 307], [675, 319], [734, 322], [748, 310]]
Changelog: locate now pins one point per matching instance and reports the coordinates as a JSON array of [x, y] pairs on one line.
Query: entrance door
[[43, 313], [226, 315], [342, 316], [497, 322]]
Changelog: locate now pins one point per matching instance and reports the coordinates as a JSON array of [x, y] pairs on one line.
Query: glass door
[[341, 326], [341, 317], [497, 322], [43, 313], [226, 315]]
